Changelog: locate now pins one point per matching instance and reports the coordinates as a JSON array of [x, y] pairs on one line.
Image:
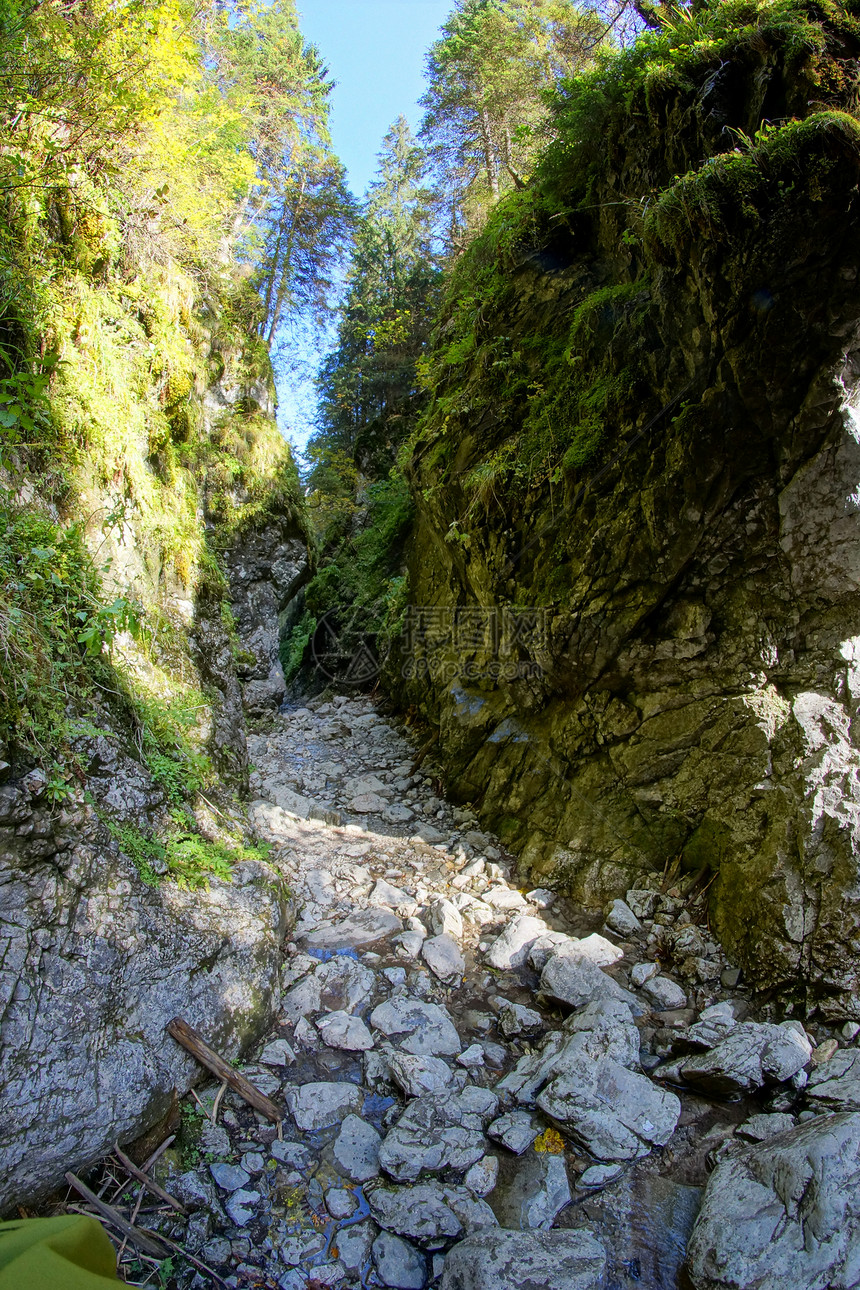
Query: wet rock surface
[[538, 1116]]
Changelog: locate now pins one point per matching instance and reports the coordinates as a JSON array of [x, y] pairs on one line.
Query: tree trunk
[[487, 146], [285, 272]]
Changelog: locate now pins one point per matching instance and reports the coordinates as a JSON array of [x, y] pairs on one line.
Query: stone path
[[484, 1086]]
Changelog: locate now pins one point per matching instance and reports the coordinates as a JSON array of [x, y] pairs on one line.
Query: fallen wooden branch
[[149, 1183], [146, 1166], [157, 1153], [193, 1043], [144, 1241], [198, 1263]]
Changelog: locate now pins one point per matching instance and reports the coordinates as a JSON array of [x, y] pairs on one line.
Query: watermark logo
[[345, 649], [442, 644]]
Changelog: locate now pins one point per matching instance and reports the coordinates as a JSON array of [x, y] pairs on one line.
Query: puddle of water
[[644, 1222], [325, 955]]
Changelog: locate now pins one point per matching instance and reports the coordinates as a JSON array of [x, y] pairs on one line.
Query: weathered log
[[193, 1043]]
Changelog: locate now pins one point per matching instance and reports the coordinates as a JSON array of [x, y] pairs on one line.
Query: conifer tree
[[485, 104], [369, 395]]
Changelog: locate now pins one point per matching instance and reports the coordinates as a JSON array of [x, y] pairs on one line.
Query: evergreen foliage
[[486, 101]]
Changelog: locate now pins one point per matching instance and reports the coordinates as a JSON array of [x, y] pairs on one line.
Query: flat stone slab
[[362, 928]]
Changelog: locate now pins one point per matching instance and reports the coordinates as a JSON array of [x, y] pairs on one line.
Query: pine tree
[[369, 394], [485, 103]]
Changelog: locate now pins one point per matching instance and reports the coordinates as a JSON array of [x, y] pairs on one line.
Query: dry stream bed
[[486, 1088]]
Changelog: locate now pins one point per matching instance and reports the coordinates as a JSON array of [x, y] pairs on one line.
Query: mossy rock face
[[648, 442]]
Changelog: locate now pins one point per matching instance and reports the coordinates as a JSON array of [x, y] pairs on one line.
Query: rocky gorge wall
[[131, 886], [652, 442]]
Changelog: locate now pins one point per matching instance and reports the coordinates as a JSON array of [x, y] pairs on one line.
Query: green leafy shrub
[[55, 629], [181, 855]]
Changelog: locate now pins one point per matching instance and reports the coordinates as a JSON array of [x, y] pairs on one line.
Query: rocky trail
[[484, 1088]]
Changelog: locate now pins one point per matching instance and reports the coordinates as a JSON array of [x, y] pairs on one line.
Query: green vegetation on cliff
[[641, 425], [148, 150], [543, 360]]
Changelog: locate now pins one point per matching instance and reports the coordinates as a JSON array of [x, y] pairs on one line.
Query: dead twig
[[216, 1105], [423, 751], [158, 1153], [146, 1166], [197, 1263], [148, 1183], [145, 1241], [193, 1043]]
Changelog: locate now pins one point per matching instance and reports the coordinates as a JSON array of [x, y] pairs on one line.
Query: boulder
[[534, 1192], [95, 964], [398, 1264], [438, 1131], [340, 1030], [445, 919], [511, 949], [362, 928], [356, 1149], [576, 981], [835, 1086], [516, 1130], [319, 1105], [354, 1244], [594, 949], [339, 985], [515, 1019], [621, 919], [418, 1027], [785, 1212], [602, 1029], [511, 1260], [417, 1075], [394, 897], [751, 1055], [663, 993], [429, 1212], [442, 955], [609, 1110], [481, 1178]]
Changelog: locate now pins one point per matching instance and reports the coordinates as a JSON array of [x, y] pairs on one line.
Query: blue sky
[[374, 50]]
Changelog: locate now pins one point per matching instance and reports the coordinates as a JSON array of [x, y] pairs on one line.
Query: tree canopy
[[368, 388], [485, 104]]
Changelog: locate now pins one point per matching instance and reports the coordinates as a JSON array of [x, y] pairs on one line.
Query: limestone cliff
[[644, 426], [131, 886]]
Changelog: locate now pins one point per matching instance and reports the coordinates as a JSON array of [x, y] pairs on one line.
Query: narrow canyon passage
[[465, 1066]]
